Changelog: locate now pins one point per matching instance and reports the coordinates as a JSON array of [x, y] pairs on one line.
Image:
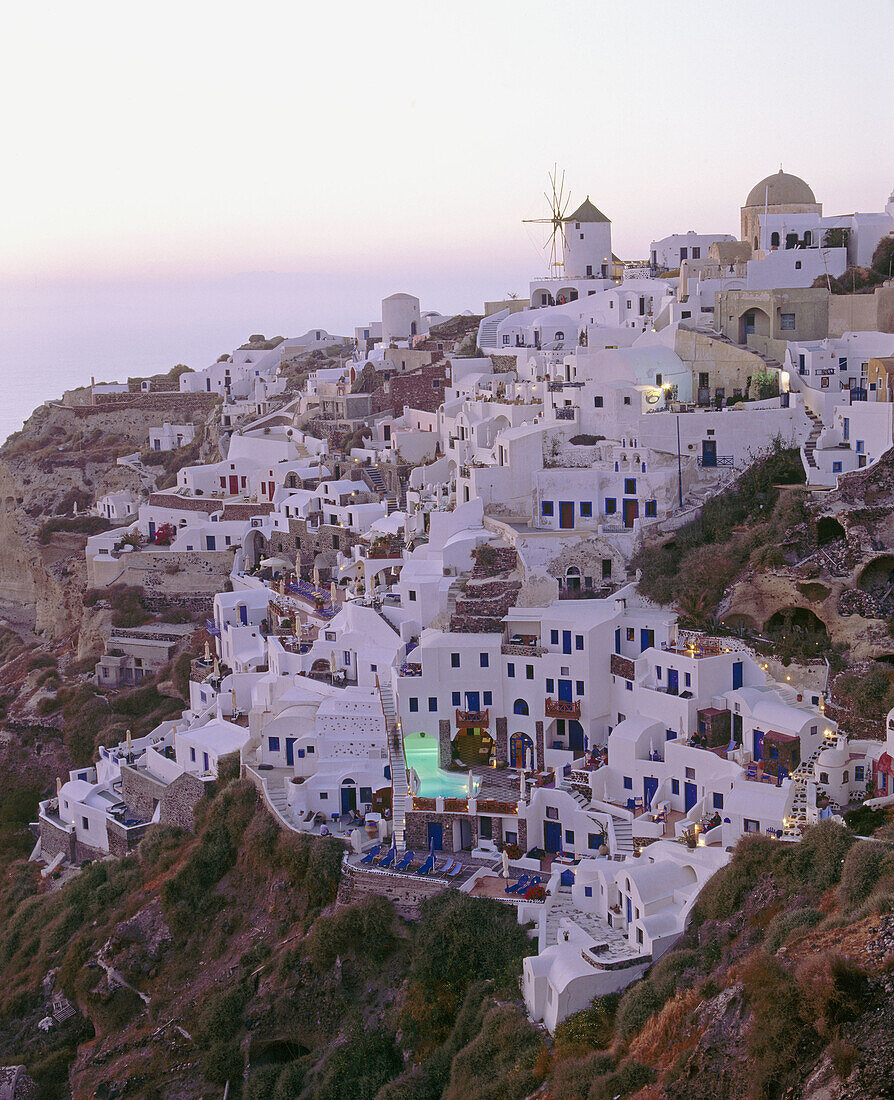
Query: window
[[546, 508], [787, 322], [569, 836], [626, 400], [510, 670], [588, 891], [630, 486], [675, 786], [552, 813], [631, 634], [597, 402], [651, 507], [366, 794], [860, 444], [578, 641], [511, 838], [85, 822], [529, 672], [554, 637], [324, 796], [329, 635], [611, 506], [432, 703], [859, 774], [579, 687], [844, 777], [550, 685], [594, 841], [752, 826], [483, 660], [836, 467], [717, 801], [488, 698], [412, 594], [628, 783], [273, 744], [797, 265], [192, 755], [684, 254], [414, 704], [454, 660], [520, 707], [586, 508], [658, 672], [629, 685], [690, 773], [696, 253], [347, 657], [824, 777], [456, 698], [505, 339]]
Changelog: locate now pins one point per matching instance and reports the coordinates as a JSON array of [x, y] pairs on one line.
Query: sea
[[57, 335]]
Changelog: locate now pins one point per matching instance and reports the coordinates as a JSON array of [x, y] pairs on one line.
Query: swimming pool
[[421, 753]]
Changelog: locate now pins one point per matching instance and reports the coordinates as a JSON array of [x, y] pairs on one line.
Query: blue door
[[566, 641], [650, 786], [435, 836], [673, 682], [709, 452], [646, 639], [348, 799], [473, 700], [690, 795], [737, 675], [629, 908], [758, 744], [552, 836], [290, 751], [576, 736], [211, 542], [565, 691], [151, 530], [243, 614], [618, 640]]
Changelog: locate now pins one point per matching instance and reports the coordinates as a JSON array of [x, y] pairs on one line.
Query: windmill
[[558, 201]]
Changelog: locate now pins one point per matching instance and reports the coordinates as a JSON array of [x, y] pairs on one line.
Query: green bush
[[359, 1067], [640, 1001], [365, 929], [592, 1029], [784, 926], [868, 865]]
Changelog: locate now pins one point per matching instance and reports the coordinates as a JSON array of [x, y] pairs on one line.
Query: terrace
[[561, 708]]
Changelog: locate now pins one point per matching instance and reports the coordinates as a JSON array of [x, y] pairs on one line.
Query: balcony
[[496, 806], [472, 719], [566, 412], [561, 708], [522, 645]]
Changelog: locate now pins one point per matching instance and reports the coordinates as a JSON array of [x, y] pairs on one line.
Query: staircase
[[392, 503], [623, 836], [372, 475], [802, 775], [400, 791], [810, 445]]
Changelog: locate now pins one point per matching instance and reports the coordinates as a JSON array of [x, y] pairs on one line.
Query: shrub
[[501, 1061], [843, 1056], [359, 1067], [867, 865], [366, 929], [638, 1003], [784, 926], [590, 1029], [832, 990]]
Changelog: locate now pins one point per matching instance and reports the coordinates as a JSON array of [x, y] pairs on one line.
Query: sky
[[330, 154]]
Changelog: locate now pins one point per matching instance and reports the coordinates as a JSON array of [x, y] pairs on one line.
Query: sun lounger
[[389, 858], [405, 862], [427, 867], [371, 854], [519, 886], [456, 869], [445, 869]]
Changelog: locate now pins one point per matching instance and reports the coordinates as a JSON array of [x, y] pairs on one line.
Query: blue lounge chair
[[456, 869], [427, 867], [389, 858], [447, 867], [371, 854], [519, 886], [405, 862]]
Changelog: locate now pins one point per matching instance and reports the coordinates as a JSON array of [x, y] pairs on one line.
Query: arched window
[[774, 240], [572, 571], [560, 335], [519, 707]]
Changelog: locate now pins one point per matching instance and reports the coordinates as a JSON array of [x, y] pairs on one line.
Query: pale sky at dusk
[[195, 139], [180, 175]]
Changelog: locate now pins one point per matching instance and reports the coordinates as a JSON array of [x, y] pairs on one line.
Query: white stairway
[[399, 788], [623, 835]]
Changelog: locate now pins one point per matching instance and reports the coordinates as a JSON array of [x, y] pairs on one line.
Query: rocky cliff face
[[58, 465]]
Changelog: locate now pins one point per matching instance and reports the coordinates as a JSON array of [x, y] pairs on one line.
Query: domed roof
[[780, 189]]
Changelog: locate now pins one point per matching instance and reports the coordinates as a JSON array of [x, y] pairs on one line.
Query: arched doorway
[[521, 751], [348, 796], [577, 742], [753, 322], [572, 579]]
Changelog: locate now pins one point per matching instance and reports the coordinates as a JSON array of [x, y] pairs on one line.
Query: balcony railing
[[521, 649], [456, 805], [496, 806], [424, 803], [566, 412], [473, 718], [709, 462], [561, 708]]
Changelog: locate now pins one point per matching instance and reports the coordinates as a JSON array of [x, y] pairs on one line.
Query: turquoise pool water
[[421, 752]]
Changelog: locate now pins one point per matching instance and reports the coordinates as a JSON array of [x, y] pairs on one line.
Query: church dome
[[781, 189]]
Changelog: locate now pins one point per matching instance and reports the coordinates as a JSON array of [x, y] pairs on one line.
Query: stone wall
[[405, 891], [501, 739], [416, 829], [166, 572], [143, 792]]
